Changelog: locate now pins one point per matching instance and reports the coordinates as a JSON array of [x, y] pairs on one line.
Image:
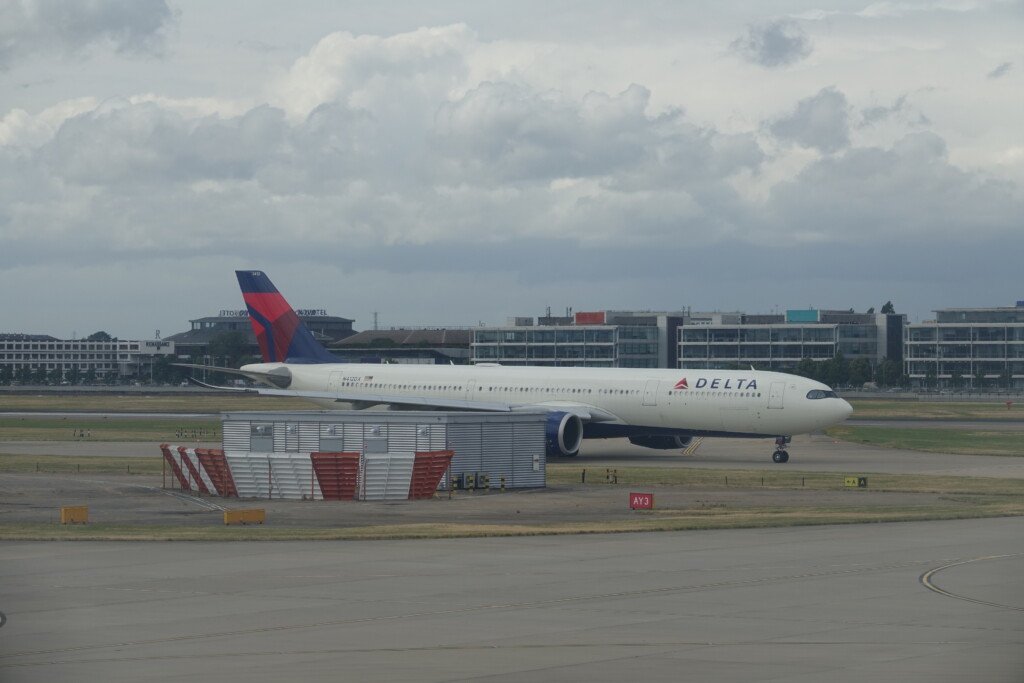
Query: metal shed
[[490, 449]]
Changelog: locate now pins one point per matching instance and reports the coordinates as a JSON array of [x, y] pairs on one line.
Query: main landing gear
[[781, 455]]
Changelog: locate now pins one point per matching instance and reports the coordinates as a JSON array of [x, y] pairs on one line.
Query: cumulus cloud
[[383, 74], [397, 147], [396, 153], [821, 122], [32, 27], [774, 44], [881, 196]]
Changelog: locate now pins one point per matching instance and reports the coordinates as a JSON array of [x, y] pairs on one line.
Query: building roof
[[17, 337], [408, 337]]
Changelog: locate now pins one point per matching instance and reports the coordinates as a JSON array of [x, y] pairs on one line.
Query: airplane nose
[[844, 411]]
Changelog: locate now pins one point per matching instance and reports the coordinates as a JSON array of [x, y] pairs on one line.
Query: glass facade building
[[587, 346], [780, 342], [967, 348], [606, 339], [26, 358]]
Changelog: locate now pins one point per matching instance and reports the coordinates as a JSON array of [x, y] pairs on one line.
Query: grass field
[[170, 403], [788, 479], [215, 403], [962, 497], [558, 475], [100, 429], [935, 410], [963, 441], [661, 520], [144, 464]]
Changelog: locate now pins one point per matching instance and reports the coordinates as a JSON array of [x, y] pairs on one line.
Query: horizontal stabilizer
[[279, 377]]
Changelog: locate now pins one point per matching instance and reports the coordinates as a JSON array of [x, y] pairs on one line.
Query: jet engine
[[662, 442], [563, 434]]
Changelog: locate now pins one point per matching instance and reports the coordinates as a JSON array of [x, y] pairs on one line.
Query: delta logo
[[719, 383]]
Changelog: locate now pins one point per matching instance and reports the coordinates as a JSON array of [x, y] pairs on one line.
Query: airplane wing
[[363, 400]]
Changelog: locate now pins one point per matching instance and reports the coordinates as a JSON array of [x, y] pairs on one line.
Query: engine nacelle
[[662, 442], [563, 433]]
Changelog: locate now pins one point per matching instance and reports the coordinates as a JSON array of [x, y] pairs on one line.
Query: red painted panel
[[216, 466], [585, 318], [173, 462], [186, 459], [427, 470], [337, 474]]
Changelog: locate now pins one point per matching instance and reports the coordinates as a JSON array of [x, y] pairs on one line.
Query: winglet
[[282, 336]]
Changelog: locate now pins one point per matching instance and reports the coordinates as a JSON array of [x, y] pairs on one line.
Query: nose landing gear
[[781, 455]]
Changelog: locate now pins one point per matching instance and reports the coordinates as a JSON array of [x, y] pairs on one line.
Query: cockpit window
[[821, 393]]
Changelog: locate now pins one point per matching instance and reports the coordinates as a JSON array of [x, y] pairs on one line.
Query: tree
[[164, 371], [806, 368], [889, 373], [979, 378], [860, 372], [888, 309], [39, 374], [230, 346], [836, 372], [100, 336]]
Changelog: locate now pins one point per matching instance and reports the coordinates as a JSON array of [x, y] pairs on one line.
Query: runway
[[894, 602]]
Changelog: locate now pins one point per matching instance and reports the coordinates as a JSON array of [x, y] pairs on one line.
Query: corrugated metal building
[[498, 445]]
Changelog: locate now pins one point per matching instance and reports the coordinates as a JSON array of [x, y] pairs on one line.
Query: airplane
[[656, 408]]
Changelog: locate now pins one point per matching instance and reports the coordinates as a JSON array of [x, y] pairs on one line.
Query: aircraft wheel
[[780, 456]]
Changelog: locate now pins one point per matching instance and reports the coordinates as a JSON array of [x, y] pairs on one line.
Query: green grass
[[170, 403], [936, 410], [962, 441], [771, 479], [99, 429], [963, 497], [150, 462], [657, 520]]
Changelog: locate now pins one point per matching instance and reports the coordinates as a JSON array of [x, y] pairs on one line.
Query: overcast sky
[[451, 163]]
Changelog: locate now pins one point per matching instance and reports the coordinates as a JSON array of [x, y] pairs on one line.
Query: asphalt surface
[[932, 601], [928, 601]]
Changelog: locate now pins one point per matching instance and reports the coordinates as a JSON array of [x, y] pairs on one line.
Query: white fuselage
[[740, 402]]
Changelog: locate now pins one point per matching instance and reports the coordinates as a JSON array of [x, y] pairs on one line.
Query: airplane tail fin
[[282, 336]]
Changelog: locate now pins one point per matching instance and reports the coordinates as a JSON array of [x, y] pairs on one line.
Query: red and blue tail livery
[[282, 336]]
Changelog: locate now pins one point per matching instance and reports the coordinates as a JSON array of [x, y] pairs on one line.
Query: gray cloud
[[499, 163], [395, 169], [34, 27], [877, 114], [1001, 70], [821, 122], [910, 193], [774, 44]]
